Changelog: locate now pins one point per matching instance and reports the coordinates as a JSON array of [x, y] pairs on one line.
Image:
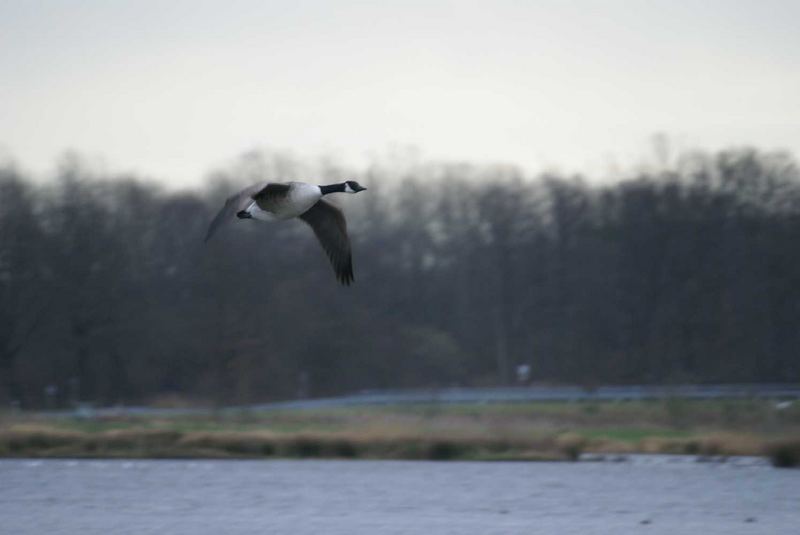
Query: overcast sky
[[172, 89]]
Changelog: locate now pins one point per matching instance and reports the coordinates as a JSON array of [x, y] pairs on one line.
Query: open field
[[530, 431]]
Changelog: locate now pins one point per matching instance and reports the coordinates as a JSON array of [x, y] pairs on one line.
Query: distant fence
[[368, 398]]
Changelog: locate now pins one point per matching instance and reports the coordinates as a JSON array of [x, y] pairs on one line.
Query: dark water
[[649, 495]]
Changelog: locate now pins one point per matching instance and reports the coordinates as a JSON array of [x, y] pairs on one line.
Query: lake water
[[644, 494]]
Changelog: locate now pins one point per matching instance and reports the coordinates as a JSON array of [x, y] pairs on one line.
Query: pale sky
[[172, 89]]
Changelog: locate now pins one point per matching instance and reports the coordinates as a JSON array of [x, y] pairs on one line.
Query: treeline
[[688, 272]]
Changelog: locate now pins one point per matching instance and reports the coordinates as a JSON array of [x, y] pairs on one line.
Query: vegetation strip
[[534, 431]]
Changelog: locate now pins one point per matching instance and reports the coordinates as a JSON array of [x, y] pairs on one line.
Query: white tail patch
[[258, 213]]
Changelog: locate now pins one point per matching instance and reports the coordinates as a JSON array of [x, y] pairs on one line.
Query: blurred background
[[559, 194], [579, 242]]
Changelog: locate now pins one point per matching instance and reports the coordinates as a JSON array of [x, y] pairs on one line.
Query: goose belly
[[297, 200], [301, 197]]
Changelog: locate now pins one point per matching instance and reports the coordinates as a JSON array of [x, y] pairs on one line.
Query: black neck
[[333, 188]]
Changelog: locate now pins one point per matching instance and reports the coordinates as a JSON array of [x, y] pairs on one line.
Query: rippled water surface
[[652, 495]]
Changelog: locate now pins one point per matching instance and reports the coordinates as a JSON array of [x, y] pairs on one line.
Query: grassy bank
[[533, 431]]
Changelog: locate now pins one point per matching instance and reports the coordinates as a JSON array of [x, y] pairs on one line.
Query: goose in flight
[[273, 201]]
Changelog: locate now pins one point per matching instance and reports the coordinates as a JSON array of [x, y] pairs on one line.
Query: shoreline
[[529, 432]]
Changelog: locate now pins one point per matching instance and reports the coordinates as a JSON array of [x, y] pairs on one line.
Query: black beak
[[359, 188]]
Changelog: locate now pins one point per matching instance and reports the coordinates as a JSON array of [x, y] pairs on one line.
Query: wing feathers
[[271, 192], [233, 204], [330, 227]]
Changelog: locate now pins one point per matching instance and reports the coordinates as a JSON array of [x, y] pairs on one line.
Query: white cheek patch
[[347, 188]]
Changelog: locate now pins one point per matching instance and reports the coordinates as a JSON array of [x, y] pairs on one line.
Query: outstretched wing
[[233, 204], [331, 231]]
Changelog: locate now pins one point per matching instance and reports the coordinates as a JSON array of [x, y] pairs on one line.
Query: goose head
[[351, 186]]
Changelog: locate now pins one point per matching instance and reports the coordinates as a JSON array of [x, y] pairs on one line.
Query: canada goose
[[276, 201]]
